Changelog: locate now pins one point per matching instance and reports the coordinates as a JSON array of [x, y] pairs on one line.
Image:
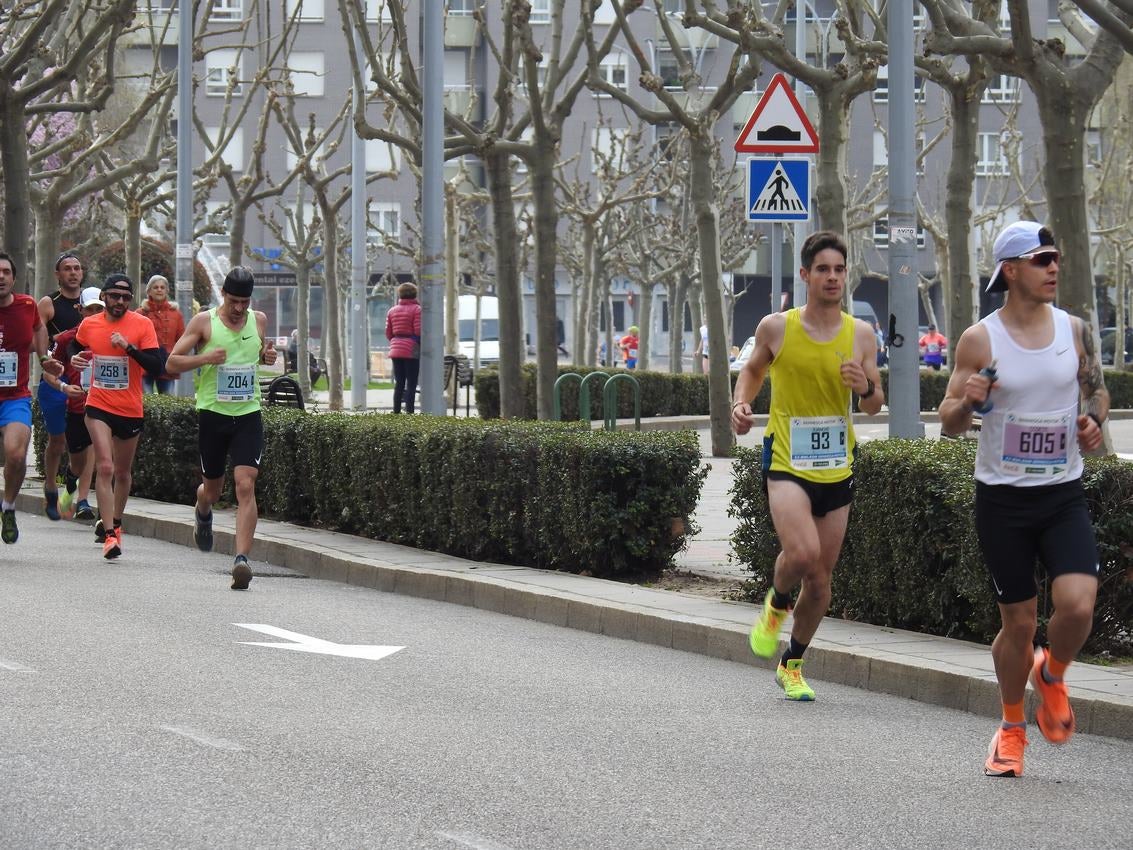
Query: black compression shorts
[[220, 437]]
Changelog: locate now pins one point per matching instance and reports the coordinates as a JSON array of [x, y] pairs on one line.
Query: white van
[[489, 327]]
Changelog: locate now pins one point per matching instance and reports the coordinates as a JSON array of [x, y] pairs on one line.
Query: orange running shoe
[[1054, 714], [112, 545], [1005, 755]]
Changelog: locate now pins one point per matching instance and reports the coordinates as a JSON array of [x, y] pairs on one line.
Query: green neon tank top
[[232, 388]]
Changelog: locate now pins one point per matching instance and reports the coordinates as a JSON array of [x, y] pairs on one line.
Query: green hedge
[[550, 495], [911, 558]]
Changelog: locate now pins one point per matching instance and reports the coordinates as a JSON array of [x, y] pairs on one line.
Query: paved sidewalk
[[936, 670]]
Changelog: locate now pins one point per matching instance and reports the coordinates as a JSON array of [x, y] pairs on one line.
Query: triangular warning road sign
[[778, 124], [778, 194]]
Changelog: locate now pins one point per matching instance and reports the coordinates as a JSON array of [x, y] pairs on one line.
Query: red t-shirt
[[18, 323], [71, 375], [116, 377]]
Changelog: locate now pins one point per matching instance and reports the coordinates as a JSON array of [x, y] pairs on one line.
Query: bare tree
[[46, 47]]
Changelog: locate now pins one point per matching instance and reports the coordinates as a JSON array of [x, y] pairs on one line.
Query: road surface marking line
[[14, 666], [475, 842], [203, 739]]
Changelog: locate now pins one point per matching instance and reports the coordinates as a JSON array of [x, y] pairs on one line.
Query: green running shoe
[[765, 630], [8, 531], [66, 500], [790, 679]]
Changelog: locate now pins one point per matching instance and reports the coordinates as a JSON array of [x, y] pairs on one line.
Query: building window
[[669, 69], [881, 92], [308, 10], [993, 155], [227, 10], [233, 153], [461, 7], [1003, 88], [612, 69], [220, 65], [156, 5], [382, 156], [881, 233], [296, 226], [540, 11], [307, 72], [456, 69], [385, 221], [608, 149], [378, 10]]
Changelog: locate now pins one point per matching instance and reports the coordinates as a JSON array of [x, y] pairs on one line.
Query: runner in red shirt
[[119, 345], [21, 332], [73, 384]]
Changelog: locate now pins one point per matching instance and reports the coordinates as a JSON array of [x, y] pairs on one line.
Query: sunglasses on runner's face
[[1041, 259], [116, 296]]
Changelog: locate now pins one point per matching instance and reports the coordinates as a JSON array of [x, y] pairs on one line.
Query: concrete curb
[[714, 628]]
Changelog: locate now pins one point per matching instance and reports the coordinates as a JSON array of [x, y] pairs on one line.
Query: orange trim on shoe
[[1054, 715], [1005, 753]]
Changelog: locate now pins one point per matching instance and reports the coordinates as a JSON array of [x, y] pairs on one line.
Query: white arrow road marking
[[14, 666], [306, 643], [473, 841], [202, 738]]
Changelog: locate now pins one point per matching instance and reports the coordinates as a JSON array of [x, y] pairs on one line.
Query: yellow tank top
[[810, 429]]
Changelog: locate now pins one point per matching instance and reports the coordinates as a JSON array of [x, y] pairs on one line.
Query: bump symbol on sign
[[778, 195]]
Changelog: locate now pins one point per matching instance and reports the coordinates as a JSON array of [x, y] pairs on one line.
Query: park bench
[[458, 373]]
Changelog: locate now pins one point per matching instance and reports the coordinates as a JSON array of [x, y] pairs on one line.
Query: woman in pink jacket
[[403, 330]]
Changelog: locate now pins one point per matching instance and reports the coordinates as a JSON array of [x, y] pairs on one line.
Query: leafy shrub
[[911, 558], [550, 495]]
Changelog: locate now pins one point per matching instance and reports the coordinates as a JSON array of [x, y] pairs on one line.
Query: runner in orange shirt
[[120, 345]]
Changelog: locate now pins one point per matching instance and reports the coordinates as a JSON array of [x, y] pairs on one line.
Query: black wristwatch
[[870, 389]]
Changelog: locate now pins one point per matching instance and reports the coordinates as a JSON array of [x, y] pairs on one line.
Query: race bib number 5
[[819, 442], [9, 368], [111, 373], [1036, 443], [235, 383]]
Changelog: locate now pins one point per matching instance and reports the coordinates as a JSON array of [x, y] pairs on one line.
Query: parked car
[[744, 354], [1109, 337]]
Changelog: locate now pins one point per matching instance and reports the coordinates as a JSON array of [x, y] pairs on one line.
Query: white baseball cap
[[90, 295], [1014, 241]]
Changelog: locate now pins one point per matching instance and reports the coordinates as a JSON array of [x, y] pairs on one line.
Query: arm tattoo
[[1090, 378]]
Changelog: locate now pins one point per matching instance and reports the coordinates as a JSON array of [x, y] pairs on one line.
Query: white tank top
[[1030, 438]]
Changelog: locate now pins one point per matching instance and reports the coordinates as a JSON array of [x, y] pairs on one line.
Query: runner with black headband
[[226, 343]]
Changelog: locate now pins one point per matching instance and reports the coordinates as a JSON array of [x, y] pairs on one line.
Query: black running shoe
[[51, 505], [202, 531], [83, 510], [99, 532], [241, 573], [9, 533]]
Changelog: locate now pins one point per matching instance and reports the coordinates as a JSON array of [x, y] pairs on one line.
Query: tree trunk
[[17, 192], [303, 325], [701, 184], [48, 226], [645, 323], [833, 129], [512, 351], [332, 350], [546, 252], [585, 340], [452, 272], [962, 284], [678, 290]]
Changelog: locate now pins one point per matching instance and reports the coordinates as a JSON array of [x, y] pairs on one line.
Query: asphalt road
[[134, 716]]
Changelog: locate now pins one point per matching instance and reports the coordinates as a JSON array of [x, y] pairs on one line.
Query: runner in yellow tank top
[[816, 356], [226, 344]]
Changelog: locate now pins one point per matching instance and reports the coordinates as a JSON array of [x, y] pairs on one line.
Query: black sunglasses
[[117, 296]]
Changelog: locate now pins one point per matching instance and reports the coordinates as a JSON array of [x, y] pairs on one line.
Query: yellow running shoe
[[765, 630], [790, 679]]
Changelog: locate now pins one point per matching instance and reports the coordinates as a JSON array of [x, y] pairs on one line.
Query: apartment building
[[316, 63]]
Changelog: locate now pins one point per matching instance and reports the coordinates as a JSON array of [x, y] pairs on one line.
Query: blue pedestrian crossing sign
[[778, 189]]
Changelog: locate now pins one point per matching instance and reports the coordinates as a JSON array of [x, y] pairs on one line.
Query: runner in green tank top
[[816, 355], [225, 345]]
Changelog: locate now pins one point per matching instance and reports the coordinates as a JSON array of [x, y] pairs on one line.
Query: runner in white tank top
[[1047, 401]]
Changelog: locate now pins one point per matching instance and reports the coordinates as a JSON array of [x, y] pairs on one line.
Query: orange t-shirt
[[116, 377]]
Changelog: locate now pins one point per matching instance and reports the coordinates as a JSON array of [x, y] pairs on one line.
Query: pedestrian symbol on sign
[[778, 189]]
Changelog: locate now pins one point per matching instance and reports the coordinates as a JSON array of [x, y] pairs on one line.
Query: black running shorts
[[221, 437], [78, 437], [122, 427], [1017, 525], [824, 498]]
